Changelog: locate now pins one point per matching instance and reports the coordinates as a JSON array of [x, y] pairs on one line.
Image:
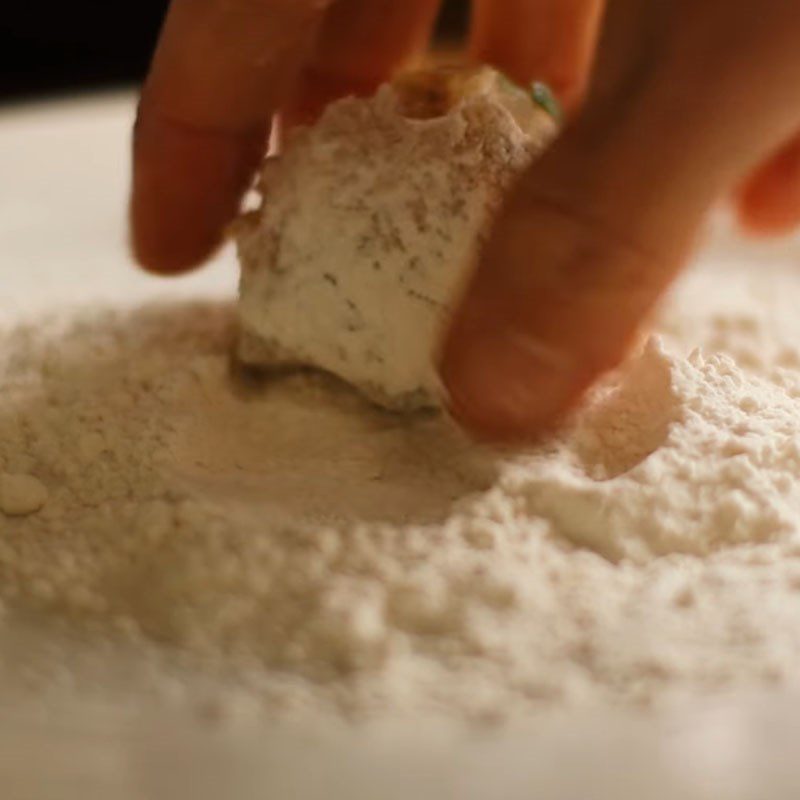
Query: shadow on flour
[[158, 390], [300, 445]]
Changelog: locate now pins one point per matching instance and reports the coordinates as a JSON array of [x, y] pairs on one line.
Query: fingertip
[[503, 384], [186, 188], [166, 237], [767, 208], [765, 220], [768, 203], [544, 40], [167, 250]]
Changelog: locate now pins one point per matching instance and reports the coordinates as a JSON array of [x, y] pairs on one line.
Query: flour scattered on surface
[[317, 553]]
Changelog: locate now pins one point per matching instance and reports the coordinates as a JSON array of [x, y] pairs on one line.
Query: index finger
[[221, 70]]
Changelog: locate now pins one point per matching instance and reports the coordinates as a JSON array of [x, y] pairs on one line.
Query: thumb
[[596, 231]]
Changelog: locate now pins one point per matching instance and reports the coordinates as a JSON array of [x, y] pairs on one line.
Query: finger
[[599, 228], [769, 201], [361, 44], [547, 40], [556, 302], [221, 69]]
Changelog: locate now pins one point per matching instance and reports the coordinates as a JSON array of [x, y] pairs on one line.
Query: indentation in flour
[[306, 447]]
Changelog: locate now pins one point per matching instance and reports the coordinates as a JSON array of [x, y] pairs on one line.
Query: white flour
[[318, 551]]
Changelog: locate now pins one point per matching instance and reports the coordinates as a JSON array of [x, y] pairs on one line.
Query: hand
[[223, 68], [688, 97]]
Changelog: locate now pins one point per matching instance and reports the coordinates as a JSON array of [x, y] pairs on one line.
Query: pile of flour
[[290, 536]]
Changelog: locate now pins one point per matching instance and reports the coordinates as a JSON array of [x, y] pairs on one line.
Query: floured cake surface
[[371, 221]]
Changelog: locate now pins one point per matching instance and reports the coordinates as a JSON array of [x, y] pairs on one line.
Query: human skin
[[685, 102]]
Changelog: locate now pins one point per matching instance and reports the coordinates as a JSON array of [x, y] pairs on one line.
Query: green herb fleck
[[544, 98]]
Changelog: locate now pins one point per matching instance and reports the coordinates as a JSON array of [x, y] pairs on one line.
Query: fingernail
[[505, 384]]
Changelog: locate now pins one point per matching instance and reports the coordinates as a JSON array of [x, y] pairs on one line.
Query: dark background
[[49, 48]]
